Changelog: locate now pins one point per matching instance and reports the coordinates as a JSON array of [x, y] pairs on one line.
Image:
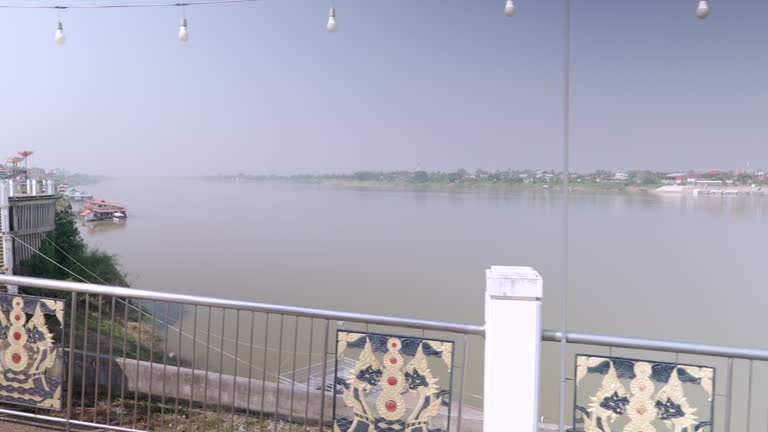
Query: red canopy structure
[[25, 154]]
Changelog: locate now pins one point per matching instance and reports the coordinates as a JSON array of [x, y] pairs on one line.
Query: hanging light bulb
[[703, 10], [509, 8], [332, 20], [60, 38], [183, 33]]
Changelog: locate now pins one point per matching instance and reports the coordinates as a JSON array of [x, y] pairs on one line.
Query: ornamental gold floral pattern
[[31, 357], [623, 395], [394, 384]]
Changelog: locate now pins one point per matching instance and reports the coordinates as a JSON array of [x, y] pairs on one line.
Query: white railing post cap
[[513, 282]]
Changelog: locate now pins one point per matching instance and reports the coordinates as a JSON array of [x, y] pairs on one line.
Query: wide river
[[645, 265]]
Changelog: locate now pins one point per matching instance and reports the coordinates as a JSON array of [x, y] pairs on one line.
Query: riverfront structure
[[27, 214]]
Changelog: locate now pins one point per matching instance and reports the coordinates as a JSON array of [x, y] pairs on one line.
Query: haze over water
[[423, 254], [643, 265]]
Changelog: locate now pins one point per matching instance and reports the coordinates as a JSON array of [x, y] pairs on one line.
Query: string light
[[183, 33], [509, 8], [60, 38], [332, 20], [703, 10]]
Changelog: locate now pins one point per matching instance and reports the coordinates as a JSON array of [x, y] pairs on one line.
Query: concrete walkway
[[9, 423], [24, 425]]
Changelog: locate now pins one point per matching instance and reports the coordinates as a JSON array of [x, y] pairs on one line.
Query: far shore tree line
[[522, 177]]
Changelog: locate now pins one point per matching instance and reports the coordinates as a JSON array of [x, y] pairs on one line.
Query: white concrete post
[[29, 186], [35, 185], [512, 349], [51, 190], [11, 188], [5, 223]]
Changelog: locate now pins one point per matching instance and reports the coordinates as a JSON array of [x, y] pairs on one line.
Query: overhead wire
[[167, 323], [271, 374], [129, 5]]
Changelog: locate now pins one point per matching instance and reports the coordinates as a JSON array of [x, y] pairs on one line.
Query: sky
[[262, 88]]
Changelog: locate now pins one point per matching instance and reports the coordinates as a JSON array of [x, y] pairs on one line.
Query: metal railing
[[742, 371], [149, 360]]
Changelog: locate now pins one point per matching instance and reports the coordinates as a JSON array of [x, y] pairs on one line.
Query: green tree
[[420, 177], [743, 178], [63, 251]]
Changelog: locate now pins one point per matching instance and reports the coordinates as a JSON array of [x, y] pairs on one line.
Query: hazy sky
[[263, 88]]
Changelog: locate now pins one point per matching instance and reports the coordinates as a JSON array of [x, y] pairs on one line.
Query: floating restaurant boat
[[76, 195], [99, 210]]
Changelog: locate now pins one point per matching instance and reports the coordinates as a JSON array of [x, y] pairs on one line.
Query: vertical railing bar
[[309, 370], [178, 361], [250, 365], [279, 364], [464, 362], [124, 380], [111, 355], [221, 360], [293, 374], [325, 373], [194, 354], [167, 324], [264, 374], [138, 359], [85, 358], [749, 397], [237, 358], [151, 361], [98, 360], [207, 361], [71, 365], [729, 396], [566, 208]]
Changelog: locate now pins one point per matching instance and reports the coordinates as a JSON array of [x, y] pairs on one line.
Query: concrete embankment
[[712, 190], [213, 390]]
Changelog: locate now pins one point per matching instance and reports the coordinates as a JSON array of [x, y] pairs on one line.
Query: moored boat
[[99, 210]]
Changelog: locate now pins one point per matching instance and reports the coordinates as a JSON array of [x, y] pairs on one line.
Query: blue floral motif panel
[[625, 395], [386, 383], [31, 354]]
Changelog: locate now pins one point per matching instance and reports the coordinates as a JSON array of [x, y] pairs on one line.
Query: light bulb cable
[[130, 6]]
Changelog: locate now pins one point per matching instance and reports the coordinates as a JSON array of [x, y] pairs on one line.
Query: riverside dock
[[100, 210]]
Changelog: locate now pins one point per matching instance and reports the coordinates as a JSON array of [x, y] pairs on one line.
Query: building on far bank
[[27, 215]]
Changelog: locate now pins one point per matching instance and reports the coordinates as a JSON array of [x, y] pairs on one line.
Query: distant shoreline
[[442, 187]]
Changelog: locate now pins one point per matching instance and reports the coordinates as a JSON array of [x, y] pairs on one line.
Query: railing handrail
[[107, 290], [724, 351]]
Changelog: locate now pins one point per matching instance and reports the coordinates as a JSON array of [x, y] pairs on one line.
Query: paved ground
[[24, 425], [28, 425]]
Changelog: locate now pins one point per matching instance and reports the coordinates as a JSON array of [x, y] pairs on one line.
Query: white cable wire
[[214, 335], [75, 261], [140, 310], [165, 323], [130, 6]]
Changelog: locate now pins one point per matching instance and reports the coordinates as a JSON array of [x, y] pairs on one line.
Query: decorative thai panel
[[31, 354], [388, 383], [623, 395]]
